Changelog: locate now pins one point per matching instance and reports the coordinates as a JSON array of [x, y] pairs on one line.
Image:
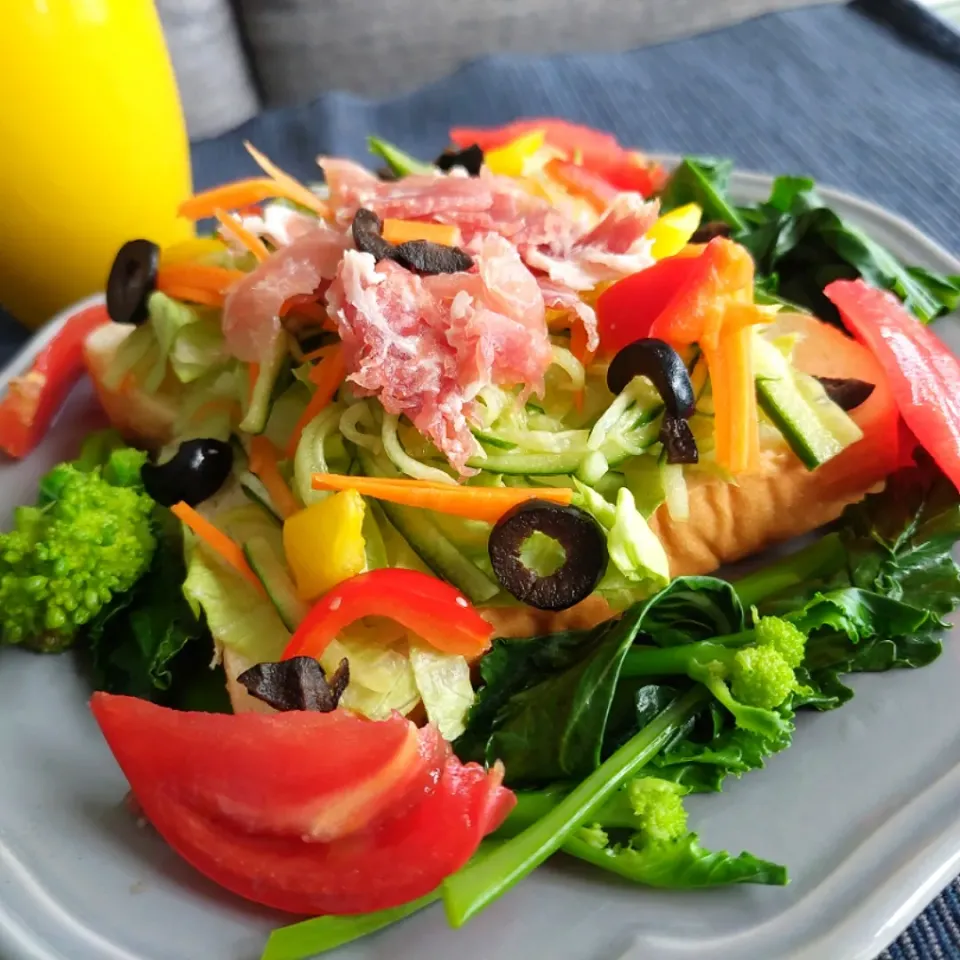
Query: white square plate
[[864, 809]]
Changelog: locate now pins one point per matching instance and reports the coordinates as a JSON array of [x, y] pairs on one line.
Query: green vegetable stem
[[471, 890]]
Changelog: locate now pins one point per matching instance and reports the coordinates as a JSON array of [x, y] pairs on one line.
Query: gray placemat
[[865, 97]]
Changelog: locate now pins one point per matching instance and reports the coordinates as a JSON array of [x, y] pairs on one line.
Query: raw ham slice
[[614, 248], [426, 346], [558, 297], [251, 319]]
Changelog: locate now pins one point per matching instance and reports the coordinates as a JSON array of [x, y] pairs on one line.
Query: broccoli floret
[[782, 636], [658, 805], [89, 538], [749, 678], [761, 677]]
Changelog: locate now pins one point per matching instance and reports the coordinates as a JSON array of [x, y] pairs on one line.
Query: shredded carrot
[[207, 298], [198, 276], [488, 504], [306, 305], [240, 233], [400, 231], [319, 353], [229, 196], [227, 549], [286, 185], [263, 462], [328, 374]]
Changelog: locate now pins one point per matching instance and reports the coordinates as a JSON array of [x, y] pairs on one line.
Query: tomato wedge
[[922, 373], [222, 791], [33, 400], [435, 611]]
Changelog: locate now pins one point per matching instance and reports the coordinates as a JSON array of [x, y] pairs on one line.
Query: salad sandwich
[[445, 454]]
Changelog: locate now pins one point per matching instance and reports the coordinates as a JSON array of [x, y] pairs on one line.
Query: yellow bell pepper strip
[[324, 543], [400, 231], [195, 250], [672, 231], [328, 374], [240, 233], [263, 463], [511, 159], [286, 185], [488, 504], [225, 548]]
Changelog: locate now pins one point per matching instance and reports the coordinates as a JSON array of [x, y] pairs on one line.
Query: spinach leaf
[[136, 642], [800, 245], [552, 707], [704, 181]]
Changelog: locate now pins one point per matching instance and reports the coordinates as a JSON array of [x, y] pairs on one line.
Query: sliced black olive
[[296, 684], [133, 277], [386, 174], [471, 159], [710, 230], [367, 229], [678, 440], [657, 360], [196, 471], [847, 394], [578, 533], [424, 256]]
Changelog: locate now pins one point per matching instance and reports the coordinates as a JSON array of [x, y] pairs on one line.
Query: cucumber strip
[[272, 573], [257, 492], [255, 418], [423, 535]]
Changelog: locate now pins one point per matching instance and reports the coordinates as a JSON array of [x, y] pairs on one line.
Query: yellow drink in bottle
[[93, 147]]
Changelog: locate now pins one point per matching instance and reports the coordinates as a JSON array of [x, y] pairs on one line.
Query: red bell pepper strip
[[566, 136], [435, 611], [627, 309], [923, 374], [722, 274], [582, 182], [32, 401], [591, 149]]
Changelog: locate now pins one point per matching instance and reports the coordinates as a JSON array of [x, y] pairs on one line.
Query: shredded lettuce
[[443, 680]]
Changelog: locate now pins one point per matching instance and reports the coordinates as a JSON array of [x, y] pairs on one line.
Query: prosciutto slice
[[251, 312], [558, 297], [426, 346]]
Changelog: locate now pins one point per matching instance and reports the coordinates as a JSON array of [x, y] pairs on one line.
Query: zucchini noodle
[[350, 427], [570, 365], [401, 460], [310, 457]]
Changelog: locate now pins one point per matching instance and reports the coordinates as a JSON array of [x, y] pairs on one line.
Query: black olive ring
[[196, 472], [578, 533]]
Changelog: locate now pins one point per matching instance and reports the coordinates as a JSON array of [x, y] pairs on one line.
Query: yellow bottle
[[93, 147]]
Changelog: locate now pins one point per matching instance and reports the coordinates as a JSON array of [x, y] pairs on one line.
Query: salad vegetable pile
[[439, 464]]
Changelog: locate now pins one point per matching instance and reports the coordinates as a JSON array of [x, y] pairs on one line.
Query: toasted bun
[[141, 417]]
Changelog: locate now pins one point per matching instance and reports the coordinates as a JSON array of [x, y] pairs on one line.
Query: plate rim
[[889, 907]]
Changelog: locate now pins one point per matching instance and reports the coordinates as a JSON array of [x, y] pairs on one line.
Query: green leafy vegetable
[[550, 707], [136, 642], [800, 245], [401, 163]]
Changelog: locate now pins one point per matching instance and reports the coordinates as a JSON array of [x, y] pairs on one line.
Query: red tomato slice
[[266, 773], [923, 374], [626, 310], [220, 789], [33, 400], [627, 171]]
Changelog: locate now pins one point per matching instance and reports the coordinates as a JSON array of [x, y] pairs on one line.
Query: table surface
[[864, 97]]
